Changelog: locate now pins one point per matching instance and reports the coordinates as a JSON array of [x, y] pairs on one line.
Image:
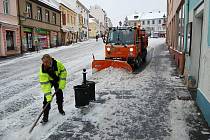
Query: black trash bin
[[91, 90], [81, 95]]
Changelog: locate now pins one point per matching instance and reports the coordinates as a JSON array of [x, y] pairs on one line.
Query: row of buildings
[[188, 39], [152, 22], [26, 25]]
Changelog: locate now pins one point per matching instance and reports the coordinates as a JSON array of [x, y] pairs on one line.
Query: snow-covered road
[[128, 106]]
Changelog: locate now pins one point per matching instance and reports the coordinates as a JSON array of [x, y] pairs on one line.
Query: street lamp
[[164, 20], [164, 24]]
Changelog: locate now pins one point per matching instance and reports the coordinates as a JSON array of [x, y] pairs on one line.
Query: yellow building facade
[[68, 25], [94, 28]]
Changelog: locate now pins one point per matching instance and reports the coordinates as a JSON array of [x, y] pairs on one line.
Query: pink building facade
[[175, 32], [9, 29]]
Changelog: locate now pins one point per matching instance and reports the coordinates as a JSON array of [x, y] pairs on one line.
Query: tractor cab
[[125, 48]]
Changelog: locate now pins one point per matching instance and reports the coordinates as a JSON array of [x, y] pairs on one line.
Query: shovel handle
[[40, 115]]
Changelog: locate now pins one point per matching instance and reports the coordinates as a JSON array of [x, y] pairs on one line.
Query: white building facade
[[83, 19], [109, 22], [152, 22], [100, 14], [94, 27]]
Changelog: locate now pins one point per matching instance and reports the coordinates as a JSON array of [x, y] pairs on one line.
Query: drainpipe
[[1, 44], [21, 44], [186, 25]]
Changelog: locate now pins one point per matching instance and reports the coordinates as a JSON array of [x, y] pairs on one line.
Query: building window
[[148, 22], [47, 16], [39, 13], [72, 20], [6, 6], [160, 21], [10, 40], [29, 10], [153, 21], [68, 19], [143, 22], [54, 18], [64, 18]]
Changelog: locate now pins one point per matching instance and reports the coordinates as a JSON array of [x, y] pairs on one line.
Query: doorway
[[29, 41], [195, 57]]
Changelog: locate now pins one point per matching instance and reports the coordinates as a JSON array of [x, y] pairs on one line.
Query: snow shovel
[[40, 115]]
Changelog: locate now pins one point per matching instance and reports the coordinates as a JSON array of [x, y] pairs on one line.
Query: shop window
[[10, 40], [47, 14], [29, 10], [54, 18], [6, 6], [39, 13], [181, 30]]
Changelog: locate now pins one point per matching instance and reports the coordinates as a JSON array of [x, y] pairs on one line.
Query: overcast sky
[[118, 9]]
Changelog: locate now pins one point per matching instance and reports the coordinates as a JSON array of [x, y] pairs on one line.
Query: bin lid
[[90, 82], [80, 86]]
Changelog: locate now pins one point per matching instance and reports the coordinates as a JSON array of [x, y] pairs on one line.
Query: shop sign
[[27, 30], [41, 31]]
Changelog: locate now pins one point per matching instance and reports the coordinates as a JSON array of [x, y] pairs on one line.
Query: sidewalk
[[147, 105], [42, 50]]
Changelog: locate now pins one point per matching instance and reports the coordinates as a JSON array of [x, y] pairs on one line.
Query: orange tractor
[[126, 47]]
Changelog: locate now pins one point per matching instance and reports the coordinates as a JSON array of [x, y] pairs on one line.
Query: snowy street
[[141, 105]]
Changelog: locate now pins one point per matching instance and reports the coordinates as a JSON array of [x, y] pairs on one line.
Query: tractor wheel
[[144, 55], [137, 62]]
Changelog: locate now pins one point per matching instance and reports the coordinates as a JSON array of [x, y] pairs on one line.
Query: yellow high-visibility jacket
[[45, 78]]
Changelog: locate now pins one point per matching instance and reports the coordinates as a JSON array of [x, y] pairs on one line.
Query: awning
[[65, 30], [70, 29], [7, 24]]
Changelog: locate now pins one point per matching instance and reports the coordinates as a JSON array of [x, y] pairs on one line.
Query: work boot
[[44, 120], [45, 117], [62, 112], [60, 108]]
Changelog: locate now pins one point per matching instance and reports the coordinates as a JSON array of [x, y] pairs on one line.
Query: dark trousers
[[59, 101]]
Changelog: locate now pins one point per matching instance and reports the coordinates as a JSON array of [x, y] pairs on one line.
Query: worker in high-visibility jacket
[[52, 74]]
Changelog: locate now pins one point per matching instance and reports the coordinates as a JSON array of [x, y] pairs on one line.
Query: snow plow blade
[[98, 65]]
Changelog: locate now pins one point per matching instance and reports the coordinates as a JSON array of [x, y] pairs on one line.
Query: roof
[[83, 6], [51, 3], [67, 4], [145, 16]]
